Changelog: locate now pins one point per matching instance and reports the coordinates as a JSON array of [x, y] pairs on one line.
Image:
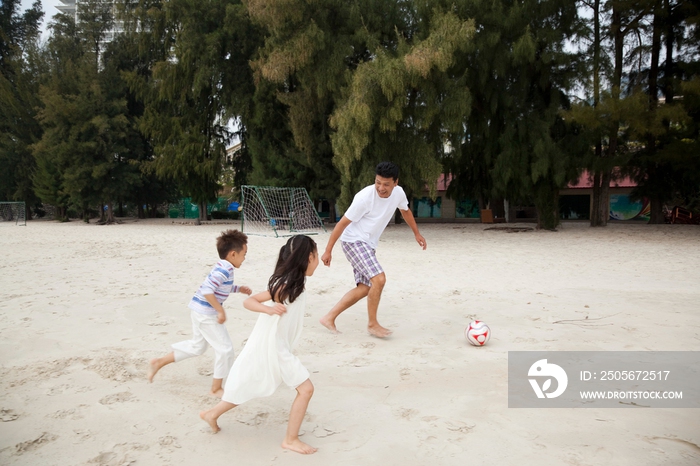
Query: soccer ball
[[477, 333]]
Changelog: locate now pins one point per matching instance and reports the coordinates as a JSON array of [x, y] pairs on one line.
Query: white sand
[[84, 307]]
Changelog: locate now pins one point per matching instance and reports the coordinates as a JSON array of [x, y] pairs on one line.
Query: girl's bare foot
[[153, 368], [299, 447], [209, 419], [329, 324], [378, 331], [217, 393]]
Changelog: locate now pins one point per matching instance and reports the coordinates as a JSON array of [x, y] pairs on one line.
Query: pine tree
[[81, 155], [20, 75], [199, 83]]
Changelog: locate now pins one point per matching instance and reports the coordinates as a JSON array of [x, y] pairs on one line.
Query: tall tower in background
[[70, 7]]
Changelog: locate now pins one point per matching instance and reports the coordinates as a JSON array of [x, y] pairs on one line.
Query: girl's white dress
[[267, 360]]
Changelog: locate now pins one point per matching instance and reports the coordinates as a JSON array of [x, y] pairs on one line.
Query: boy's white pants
[[207, 331]]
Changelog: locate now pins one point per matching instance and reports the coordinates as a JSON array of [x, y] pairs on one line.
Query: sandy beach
[[83, 308]]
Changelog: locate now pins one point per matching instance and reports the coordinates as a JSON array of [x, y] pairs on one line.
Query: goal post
[[13, 213], [277, 211]]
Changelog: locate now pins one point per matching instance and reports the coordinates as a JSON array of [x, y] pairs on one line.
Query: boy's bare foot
[[207, 417], [329, 324], [217, 393], [378, 331], [299, 447], [153, 368]]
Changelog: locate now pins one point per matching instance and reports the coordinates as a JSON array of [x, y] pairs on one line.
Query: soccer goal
[[271, 211], [13, 213]]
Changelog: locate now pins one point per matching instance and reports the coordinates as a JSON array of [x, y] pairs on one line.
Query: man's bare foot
[[299, 447], [153, 368], [329, 324], [207, 417], [217, 393], [378, 331]]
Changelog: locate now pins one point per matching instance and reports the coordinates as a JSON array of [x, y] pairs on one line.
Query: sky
[[50, 10]]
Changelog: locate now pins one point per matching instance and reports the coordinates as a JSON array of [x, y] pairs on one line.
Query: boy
[[359, 231], [208, 315]]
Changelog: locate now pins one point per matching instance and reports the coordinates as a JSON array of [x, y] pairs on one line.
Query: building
[[71, 7], [575, 203]]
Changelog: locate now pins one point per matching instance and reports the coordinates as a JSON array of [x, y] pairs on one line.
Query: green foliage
[[321, 91], [198, 84], [89, 142], [403, 93], [20, 74]]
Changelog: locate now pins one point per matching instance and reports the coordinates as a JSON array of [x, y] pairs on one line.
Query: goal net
[[271, 211], [13, 213]]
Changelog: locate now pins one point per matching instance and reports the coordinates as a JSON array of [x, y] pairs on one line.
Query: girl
[[267, 360]]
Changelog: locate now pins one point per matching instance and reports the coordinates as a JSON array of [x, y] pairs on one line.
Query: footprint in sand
[[117, 398], [141, 428], [451, 425], [405, 373], [8, 415], [30, 445], [323, 432], [406, 413], [359, 362], [117, 367], [82, 435], [72, 413], [58, 389], [160, 322], [273, 418], [120, 456], [168, 441]]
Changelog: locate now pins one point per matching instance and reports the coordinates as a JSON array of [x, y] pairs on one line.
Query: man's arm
[[408, 217], [335, 234]]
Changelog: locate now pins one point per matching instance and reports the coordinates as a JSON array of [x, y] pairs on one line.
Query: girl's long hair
[[289, 278]]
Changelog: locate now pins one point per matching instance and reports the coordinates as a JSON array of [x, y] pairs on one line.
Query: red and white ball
[[477, 333]]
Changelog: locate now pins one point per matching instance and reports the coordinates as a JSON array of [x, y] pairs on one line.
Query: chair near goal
[[13, 213], [272, 211]]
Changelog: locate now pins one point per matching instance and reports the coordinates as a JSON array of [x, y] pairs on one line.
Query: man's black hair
[[387, 170]]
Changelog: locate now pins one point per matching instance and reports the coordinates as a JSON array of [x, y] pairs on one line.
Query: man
[[359, 231]]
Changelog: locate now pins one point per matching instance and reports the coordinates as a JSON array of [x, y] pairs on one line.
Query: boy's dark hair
[[387, 170], [289, 278], [230, 240]]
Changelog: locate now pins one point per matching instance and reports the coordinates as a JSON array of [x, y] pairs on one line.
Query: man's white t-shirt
[[370, 214]]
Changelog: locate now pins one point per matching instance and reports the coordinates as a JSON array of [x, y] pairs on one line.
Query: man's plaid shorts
[[363, 260]]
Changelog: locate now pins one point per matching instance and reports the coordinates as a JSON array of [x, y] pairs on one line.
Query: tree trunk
[[595, 204], [599, 207], [547, 206], [140, 210], [604, 201], [203, 210], [110, 214], [667, 86], [331, 211], [652, 177], [656, 212], [61, 214]]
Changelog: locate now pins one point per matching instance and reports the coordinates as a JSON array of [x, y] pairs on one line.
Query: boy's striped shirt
[[219, 282]]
